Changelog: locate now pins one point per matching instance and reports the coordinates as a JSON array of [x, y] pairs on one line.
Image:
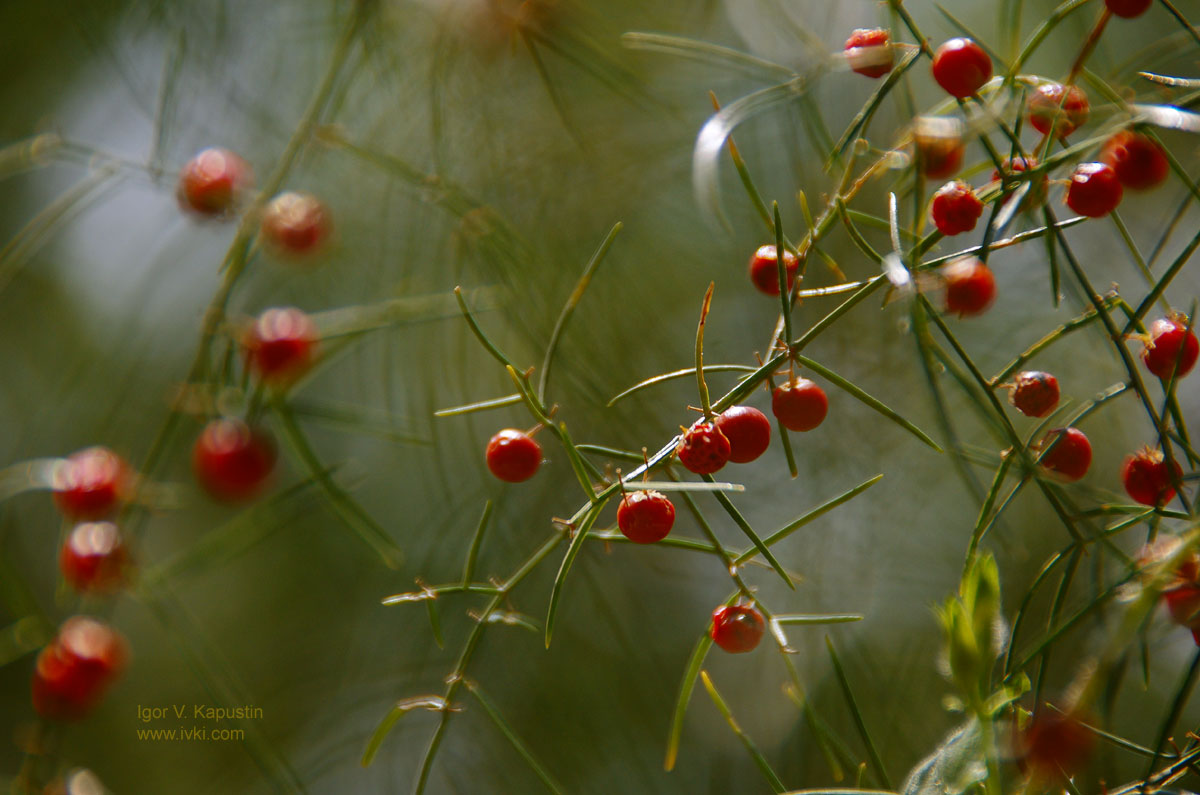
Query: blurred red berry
[[296, 223], [210, 182], [281, 345], [1095, 190], [869, 52], [961, 67], [1036, 196], [1034, 394], [231, 460], [737, 628], [1147, 477], [1128, 8], [1170, 342], [939, 146], [799, 404], [1139, 161], [702, 448], [1068, 453], [513, 456], [91, 483], [955, 208], [1061, 108], [645, 517], [764, 270], [970, 286], [75, 669], [1055, 745], [748, 431], [94, 557]]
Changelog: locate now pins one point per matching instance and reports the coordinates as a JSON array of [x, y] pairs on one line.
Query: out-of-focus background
[[481, 158]]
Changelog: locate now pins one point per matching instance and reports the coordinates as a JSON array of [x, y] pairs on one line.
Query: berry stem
[[701, 386], [1090, 44], [785, 299]]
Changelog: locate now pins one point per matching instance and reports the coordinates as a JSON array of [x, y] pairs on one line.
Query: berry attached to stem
[[1170, 341], [1147, 477], [513, 456], [869, 52], [91, 483], [799, 404], [1138, 160], [764, 271], [645, 517], [1068, 453], [1034, 393], [955, 208], [94, 557], [748, 431], [280, 345], [1095, 190], [702, 448], [961, 67], [970, 286], [1063, 109], [737, 628], [231, 460], [210, 182]]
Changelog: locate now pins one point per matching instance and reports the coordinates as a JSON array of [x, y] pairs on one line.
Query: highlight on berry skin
[[869, 52], [737, 628], [1066, 452], [296, 224], [646, 516], [233, 461], [961, 67], [1094, 190], [764, 269], [513, 456], [1139, 161], [1148, 478], [1034, 393], [91, 484], [212, 181], [748, 431], [94, 558], [1170, 347], [799, 404], [955, 208], [970, 286], [281, 345], [938, 146], [73, 672], [1058, 108]]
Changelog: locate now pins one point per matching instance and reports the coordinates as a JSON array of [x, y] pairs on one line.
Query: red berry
[[764, 270], [939, 146], [296, 223], [1170, 341], [1061, 108], [1055, 744], [869, 52], [1138, 160], [645, 516], [211, 181], [513, 455], [1068, 453], [281, 344], [748, 431], [970, 286], [1036, 194], [75, 669], [1183, 603], [94, 558], [1148, 478], [1128, 8], [1095, 190], [702, 448], [1035, 394], [961, 67], [956, 208], [231, 460], [800, 405], [91, 483], [736, 628]]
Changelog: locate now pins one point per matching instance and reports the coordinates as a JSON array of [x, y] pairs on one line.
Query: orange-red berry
[[1034, 393], [1036, 196], [737, 628], [94, 557], [513, 456], [764, 269], [231, 460], [281, 345], [939, 146], [645, 517], [1128, 8], [210, 182], [748, 431], [91, 483], [296, 223], [799, 404], [961, 67], [1171, 348], [75, 669], [1095, 190], [1061, 108], [1148, 478], [955, 208], [970, 286], [702, 448], [1139, 161], [869, 52], [1068, 453]]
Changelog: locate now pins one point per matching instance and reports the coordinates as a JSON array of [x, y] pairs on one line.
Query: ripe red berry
[[1055, 744], [296, 223], [1170, 341], [702, 448], [231, 460], [1138, 160], [94, 558], [1061, 108], [1068, 453], [1034, 393], [764, 270], [939, 147], [513, 455], [869, 52], [1095, 190], [800, 405], [1147, 477], [645, 517], [961, 67], [737, 628], [280, 345], [970, 286], [74, 670], [1036, 194], [210, 182], [1183, 603], [1128, 8], [91, 483], [955, 208], [748, 431]]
